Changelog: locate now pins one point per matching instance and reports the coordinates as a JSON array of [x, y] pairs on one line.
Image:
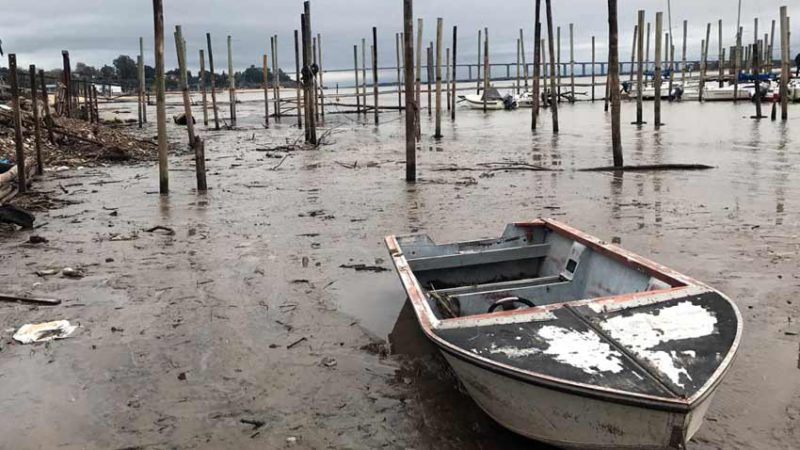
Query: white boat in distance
[[494, 100], [565, 339]]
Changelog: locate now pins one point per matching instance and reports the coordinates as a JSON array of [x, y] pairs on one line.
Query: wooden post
[[559, 67], [265, 86], [537, 51], [355, 64], [375, 70], [399, 86], [161, 112], [276, 79], [314, 64], [447, 76], [67, 77], [657, 74], [143, 82], [37, 131], [613, 81], [683, 57], [187, 102], [672, 66], [418, 80], [771, 55], [438, 132], [139, 92], [517, 82], [411, 105], [719, 53], [455, 73], [231, 82], [738, 58], [319, 72], [785, 69], [364, 73], [647, 51], [593, 81], [639, 71], [633, 53], [429, 78], [22, 185], [522, 52], [48, 120], [298, 79], [486, 81], [203, 92], [553, 93], [213, 82], [480, 62], [705, 62], [308, 79], [571, 65], [756, 71]]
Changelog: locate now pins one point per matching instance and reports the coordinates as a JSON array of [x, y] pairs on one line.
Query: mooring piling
[[553, 92], [184, 85], [231, 82], [139, 93], [639, 70], [22, 185], [429, 78], [203, 94], [559, 67], [308, 76], [633, 53], [321, 80], [161, 112], [683, 56], [142, 81], [364, 74], [397, 54], [67, 77], [486, 85], [785, 69], [418, 80], [375, 71], [297, 79], [411, 105], [657, 73], [455, 74], [613, 80], [571, 65], [355, 71], [480, 62], [593, 80], [438, 126], [719, 53], [522, 53], [517, 80], [537, 50], [447, 77], [265, 87], [37, 131], [213, 84]]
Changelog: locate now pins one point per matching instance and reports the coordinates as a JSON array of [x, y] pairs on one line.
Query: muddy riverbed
[[242, 329]]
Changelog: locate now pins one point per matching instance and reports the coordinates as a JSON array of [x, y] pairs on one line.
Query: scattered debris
[[364, 268], [296, 342], [182, 376], [328, 361], [254, 422], [34, 300], [167, 230], [43, 332], [36, 239], [69, 272], [46, 272]]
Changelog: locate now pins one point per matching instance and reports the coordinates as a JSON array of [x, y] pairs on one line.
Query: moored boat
[[565, 339], [493, 100]]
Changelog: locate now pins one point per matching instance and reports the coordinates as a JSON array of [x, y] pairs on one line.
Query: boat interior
[[529, 265]]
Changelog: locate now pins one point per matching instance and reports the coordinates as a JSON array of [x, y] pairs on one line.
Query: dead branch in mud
[[648, 168]]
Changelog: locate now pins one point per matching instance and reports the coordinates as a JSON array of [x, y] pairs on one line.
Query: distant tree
[[250, 77], [126, 69], [84, 71], [149, 72], [107, 72]]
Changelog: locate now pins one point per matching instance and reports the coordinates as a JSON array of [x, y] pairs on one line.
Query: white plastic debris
[[46, 331]]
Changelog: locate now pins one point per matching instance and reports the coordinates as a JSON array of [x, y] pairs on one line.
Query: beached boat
[[565, 339], [494, 100]]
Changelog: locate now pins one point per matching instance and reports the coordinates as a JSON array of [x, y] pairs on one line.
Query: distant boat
[[565, 339], [712, 92], [494, 100]]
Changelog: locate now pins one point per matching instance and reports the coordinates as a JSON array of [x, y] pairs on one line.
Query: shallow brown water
[[256, 250]]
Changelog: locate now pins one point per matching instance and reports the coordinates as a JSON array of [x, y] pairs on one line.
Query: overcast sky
[[96, 31]]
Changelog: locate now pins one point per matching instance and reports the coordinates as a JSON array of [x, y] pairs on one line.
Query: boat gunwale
[[429, 322]]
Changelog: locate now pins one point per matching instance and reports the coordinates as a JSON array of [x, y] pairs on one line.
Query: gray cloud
[[97, 31]]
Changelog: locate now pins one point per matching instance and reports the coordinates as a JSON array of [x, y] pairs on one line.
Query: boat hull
[[570, 420], [476, 102]]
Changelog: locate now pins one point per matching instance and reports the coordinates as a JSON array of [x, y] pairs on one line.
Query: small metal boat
[[568, 340]]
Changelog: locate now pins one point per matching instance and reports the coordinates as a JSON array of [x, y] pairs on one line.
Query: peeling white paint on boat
[[641, 332], [514, 352], [581, 349]]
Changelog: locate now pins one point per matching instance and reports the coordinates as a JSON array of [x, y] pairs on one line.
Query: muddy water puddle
[[258, 262]]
